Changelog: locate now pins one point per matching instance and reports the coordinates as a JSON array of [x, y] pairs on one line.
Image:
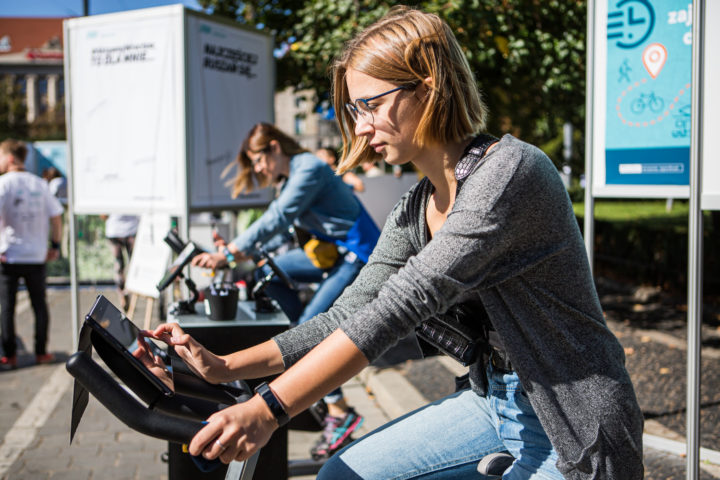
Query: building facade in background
[[31, 74], [312, 123]]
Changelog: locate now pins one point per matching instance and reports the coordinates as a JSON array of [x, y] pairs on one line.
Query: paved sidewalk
[[35, 413]]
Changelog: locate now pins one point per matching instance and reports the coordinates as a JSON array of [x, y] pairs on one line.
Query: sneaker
[[337, 432], [44, 358], [8, 363]]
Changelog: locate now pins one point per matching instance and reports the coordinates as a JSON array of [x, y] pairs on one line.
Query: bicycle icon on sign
[[647, 101]]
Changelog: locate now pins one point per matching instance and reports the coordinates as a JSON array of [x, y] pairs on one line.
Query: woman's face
[[269, 162], [395, 117]]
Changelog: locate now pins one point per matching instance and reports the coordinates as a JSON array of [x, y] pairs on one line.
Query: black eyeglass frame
[[356, 112], [265, 151]]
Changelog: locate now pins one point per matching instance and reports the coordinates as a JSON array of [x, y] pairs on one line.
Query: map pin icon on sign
[[654, 58]]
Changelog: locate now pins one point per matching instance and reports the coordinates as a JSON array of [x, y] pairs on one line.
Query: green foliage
[[650, 212], [50, 125], [645, 242], [94, 254], [13, 116], [528, 55], [13, 123]]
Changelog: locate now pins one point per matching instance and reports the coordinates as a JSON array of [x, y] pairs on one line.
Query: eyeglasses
[[362, 110], [260, 155]]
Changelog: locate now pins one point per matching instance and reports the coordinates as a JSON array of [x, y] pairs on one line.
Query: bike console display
[[188, 253], [124, 336]]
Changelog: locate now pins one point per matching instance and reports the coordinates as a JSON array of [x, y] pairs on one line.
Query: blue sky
[[67, 8]]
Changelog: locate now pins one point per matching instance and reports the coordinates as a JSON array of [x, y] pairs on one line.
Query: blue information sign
[[649, 55]]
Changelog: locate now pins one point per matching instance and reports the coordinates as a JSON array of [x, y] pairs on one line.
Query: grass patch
[[646, 242], [626, 210]]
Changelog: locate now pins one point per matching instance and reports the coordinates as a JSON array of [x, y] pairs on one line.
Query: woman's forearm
[[261, 360], [330, 364]]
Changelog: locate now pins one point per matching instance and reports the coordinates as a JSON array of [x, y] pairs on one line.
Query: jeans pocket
[[522, 399]]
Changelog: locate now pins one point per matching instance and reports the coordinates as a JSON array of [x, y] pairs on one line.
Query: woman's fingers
[[216, 449], [203, 440], [170, 333], [209, 260], [234, 433]]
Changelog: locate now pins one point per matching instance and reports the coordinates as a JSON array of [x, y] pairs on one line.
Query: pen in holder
[[221, 301]]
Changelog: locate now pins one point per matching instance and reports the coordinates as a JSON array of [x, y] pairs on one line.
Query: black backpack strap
[[472, 156]]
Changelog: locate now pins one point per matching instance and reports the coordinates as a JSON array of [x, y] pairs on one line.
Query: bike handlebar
[[128, 410]]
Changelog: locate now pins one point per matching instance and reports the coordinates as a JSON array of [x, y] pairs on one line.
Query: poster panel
[[127, 107], [47, 154], [231, 82], [711, 110], [642, 102]]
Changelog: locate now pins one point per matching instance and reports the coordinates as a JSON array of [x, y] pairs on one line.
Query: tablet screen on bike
[[106, 319], [180, 262]]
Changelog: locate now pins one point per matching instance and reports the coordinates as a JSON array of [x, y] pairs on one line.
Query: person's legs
[[520, 429], [8, 293], [129, 245], [36, 285], [339, 277], [341, 420], [298, 267], [117, 245], [443, 440]]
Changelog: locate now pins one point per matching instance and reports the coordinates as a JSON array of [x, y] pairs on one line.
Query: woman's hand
[[210, 260], [236, 432], [200, 360], [152, 362]]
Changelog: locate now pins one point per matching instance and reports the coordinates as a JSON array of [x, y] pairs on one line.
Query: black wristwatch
[[273, 403]]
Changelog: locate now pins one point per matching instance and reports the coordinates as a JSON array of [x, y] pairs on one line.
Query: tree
[[13, 122], [528, 55]]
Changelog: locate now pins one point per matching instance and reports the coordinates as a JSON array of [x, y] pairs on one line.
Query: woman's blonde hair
[[257, 140], [405, 47]]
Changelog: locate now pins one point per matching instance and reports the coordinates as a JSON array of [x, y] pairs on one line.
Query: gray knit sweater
[[512, 242]]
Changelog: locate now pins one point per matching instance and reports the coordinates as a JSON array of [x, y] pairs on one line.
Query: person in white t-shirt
[[121, 231], [29, 213]]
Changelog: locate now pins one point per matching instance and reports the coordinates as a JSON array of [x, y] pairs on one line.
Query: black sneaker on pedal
[[337, 433]]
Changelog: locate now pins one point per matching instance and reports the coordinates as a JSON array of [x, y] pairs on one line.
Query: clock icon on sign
[[631, 23]]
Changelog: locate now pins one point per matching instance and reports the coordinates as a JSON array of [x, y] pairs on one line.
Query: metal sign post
[[695, 250]]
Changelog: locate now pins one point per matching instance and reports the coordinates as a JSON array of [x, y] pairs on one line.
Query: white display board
[[152, 103], [641, 101], [151, 255], [711, 111], [126, 103]]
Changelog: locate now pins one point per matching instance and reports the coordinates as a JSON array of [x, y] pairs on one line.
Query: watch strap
[[229, 257], [273, 403]]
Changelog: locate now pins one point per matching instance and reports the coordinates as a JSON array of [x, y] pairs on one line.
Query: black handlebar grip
[[282, 274], [128, 410]]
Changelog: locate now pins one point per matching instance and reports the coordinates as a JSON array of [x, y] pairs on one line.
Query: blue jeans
[[332, 282], [447, 439]]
